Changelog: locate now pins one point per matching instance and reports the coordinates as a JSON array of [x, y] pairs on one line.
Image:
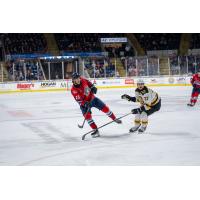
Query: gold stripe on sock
[[137, 122]]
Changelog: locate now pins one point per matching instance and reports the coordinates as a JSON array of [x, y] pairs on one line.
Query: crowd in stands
[[159, 41], [1, 48], [193, 64], [153, 66], [16, 43], [20, 43], [184, 64], [174, 65], [195, 41], [20, 71], [1, 54], [11, 43], [99, 68], [90, 42], [141, 66], [103, 67], [123, 50], [78, 42], [131, 66]]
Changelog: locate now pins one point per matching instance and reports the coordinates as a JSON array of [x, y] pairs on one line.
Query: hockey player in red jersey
[[83, 92], [195, 81]]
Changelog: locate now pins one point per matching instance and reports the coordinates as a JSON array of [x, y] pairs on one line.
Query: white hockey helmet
[[140, 81]]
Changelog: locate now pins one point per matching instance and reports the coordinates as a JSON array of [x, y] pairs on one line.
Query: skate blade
[[132, 131], [142, 132], [95, 136]]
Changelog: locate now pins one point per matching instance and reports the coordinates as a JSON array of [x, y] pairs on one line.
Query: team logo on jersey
[[74, 92], [77, 97], [143, 92], [87, 91]]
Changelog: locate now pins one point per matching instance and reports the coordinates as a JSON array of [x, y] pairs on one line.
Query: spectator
[[159, 41], [195, 41], [20, 71], [20, 43]]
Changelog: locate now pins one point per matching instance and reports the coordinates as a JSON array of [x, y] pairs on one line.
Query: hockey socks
[[108, 112], [90, 121]]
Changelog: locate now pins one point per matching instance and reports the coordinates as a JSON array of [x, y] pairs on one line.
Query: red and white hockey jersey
[[83, 93]]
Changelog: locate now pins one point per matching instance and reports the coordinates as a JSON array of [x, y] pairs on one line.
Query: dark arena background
[[39, 117]]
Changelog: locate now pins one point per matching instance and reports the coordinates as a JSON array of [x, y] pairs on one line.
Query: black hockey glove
[[87, 105], [129, 98], [93, 89], [194, 85], [138, 110]]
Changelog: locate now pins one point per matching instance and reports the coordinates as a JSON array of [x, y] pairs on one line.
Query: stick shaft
[[83, 137], [81, 126]]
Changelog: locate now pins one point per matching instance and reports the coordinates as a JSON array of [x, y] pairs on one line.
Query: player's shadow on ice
[[170, 134], [116, 136]]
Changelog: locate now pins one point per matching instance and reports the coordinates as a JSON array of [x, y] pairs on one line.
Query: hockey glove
[[87, 105], [194, 85], [93, 89], [138, 110], [129, 98]]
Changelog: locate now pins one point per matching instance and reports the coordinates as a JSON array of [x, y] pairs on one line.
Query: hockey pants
[[97, 103], [142, 118], [194, 96]]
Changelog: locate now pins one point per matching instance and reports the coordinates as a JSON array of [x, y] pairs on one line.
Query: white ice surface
[[41, 129]]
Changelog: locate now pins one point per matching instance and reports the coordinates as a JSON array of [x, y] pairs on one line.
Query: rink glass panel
[[153, 66], [96, 67], [99, 67], [59, 69], [141, 65], [22, 71], [174, 67]]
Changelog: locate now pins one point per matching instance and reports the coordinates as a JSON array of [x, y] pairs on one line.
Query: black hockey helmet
[[75, 75]]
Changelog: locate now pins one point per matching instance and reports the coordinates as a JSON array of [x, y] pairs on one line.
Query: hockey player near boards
[[83, 92], [195, 81], [150, 103]]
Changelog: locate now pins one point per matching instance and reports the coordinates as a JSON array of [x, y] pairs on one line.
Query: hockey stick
[[81, 126], [83, 137]]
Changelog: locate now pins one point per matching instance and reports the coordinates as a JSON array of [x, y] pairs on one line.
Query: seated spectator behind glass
[[21, 77]]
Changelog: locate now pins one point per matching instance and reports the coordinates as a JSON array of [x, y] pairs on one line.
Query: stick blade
[[83, 137], [80, 126]]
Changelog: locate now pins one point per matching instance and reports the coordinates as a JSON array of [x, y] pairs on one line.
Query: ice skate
[[142, 129], [134, 129], [95, 133], [190, 104]]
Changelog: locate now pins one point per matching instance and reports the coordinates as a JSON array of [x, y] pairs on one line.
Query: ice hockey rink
[[40, 128]]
